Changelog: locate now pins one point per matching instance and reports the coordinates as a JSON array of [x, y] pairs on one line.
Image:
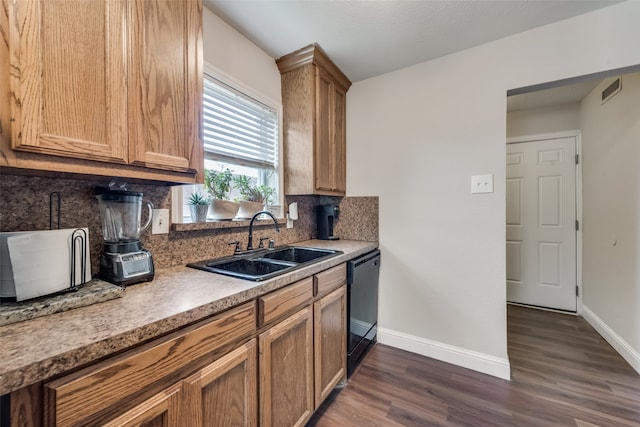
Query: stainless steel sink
[[265, 264]]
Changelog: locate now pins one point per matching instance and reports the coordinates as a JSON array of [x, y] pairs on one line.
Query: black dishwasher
[[362, 306]]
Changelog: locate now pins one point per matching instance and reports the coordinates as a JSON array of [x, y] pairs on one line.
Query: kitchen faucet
[[275, 221]]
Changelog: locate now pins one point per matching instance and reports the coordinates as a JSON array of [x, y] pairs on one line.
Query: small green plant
[[198, 199], [253, 193], [218, 183]]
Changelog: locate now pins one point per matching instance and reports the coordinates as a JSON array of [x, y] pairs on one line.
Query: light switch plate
[[482, 184], [160, 222]]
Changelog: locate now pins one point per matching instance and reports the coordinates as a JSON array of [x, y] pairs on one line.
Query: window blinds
[[237, 128]]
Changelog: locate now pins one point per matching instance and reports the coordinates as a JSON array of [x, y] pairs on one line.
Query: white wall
[[536, 121], [233, 58], [611, 232], [415, 137], [238, 58]]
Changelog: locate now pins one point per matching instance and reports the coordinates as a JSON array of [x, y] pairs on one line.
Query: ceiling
[[569, 94], [366, 38]]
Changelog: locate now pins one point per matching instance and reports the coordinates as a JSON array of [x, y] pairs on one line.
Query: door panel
[[514, 201], [540, 222], [549, 258], [330, 343], [549, 201], [224, 393], [164, 84], [339, 140], [323, 142], [161, 410], [514, 261], [286, 372], [68, 79]]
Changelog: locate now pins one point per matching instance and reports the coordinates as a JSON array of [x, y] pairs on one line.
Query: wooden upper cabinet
[[165, 84], [324, 143], [116, 83], [340, 138], [69, 78], [314, 103]]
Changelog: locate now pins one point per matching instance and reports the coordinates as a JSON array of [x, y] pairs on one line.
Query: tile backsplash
[[24, 206]]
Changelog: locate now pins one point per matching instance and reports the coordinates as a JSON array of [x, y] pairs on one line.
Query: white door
[[541, 223]]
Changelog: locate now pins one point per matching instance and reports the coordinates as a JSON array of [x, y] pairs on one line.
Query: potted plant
[[198, 206], [252, 197], [218, 184]]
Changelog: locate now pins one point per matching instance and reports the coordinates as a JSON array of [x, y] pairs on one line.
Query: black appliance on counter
[[325, 215], [362, 306]]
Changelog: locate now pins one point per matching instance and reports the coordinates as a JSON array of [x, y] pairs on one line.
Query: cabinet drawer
[[73, 399], [277, 303], [330, 279]]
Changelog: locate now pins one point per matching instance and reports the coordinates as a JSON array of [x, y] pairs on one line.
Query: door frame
[[578, 136]]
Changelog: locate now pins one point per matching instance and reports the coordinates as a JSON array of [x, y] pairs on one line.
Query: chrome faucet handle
[[272, 244], [236, 250], [262, 239]]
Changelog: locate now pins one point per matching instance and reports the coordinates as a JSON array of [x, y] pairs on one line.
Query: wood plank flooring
[[563, 374]]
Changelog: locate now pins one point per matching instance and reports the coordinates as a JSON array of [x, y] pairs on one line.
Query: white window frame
[[177, 193]]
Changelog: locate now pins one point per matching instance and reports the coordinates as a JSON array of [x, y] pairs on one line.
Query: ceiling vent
[[611, 90]]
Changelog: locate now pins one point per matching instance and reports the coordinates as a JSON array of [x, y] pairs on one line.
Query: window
[[240, 133], [237, 128]]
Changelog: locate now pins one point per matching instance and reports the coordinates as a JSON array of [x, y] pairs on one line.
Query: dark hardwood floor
[[562, 374]]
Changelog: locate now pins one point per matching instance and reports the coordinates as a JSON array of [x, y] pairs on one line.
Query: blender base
[[126, 269]]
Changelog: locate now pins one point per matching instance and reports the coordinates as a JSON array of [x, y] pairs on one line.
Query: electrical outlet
[[482, 184], [160, 222]]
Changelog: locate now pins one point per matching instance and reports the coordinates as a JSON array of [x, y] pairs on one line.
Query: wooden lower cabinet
[[222, 371], [161, 410], [303, 358], [104, 392], [330, 344], [286, 371], [224, 393]]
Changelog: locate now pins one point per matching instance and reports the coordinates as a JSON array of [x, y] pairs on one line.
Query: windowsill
[[214, 225]]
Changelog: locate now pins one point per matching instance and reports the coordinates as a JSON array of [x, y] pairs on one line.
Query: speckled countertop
[[37, 349]]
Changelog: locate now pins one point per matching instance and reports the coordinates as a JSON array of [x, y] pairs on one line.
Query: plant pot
[[248, 209], [198, 213], [223, 209]]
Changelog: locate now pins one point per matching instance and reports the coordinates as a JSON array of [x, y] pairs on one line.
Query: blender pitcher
[[121, 213]]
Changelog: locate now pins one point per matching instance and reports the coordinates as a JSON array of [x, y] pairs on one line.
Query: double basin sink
[[265, 264]]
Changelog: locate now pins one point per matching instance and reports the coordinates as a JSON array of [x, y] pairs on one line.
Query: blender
[[123, 261]]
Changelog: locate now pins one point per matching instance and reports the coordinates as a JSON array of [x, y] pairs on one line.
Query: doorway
[[541, 221]]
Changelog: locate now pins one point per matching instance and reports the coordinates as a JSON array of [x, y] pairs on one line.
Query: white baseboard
[[469, 359], [627, 352]]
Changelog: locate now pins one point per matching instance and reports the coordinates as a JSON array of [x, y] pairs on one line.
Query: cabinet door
[[161, 410], [68, 78], [165, 84], [286, 371], [323, 147], [339, 144], [330, 136], [225, 392], [330, 343]]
